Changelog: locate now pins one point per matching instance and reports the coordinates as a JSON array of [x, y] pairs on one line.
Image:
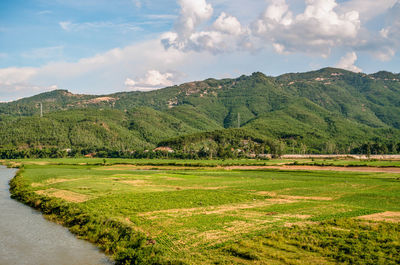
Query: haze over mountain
[[326, 110]]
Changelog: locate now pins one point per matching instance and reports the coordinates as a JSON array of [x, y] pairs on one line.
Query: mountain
[[328, 110]]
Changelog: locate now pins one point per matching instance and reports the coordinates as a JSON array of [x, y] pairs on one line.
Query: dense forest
[[325, 111]]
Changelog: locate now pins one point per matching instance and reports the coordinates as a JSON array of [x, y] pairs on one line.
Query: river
[[27, 238]]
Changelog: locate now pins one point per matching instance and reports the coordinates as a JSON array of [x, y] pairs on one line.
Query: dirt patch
[[52, 181], [134, 182], [313, 198], [391, 217], [213, 209], [267, 193], [145, 183], [127, 175], [320, 168], [99, 100], [290, 197], [66, 195], [172, 178]]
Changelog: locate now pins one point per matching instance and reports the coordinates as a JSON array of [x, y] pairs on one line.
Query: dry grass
[[66, 195], [175, 213], [292, 197], [391, 217]]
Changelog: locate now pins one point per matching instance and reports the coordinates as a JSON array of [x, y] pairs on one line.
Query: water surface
[[27, 238]]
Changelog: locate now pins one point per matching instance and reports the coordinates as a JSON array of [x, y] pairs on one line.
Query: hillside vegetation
[[325, 111]]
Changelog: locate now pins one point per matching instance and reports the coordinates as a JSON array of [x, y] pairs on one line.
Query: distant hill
[[329, 110]]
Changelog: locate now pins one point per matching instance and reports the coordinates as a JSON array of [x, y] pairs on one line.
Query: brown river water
[[27, 238]]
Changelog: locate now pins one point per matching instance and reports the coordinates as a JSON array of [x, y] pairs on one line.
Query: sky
[[106, 46]]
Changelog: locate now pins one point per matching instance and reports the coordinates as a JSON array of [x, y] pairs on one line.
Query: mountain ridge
[[329, 105]]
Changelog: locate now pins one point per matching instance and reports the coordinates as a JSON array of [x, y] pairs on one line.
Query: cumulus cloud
[[153, 79], [317, 30], [347, 62], [367, 9], [191, 32], [384, 43], [227, 24]]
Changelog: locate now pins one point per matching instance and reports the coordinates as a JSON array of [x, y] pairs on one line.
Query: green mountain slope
[[329, 110]]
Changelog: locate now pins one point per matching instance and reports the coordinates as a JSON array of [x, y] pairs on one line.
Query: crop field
[[212, 215]]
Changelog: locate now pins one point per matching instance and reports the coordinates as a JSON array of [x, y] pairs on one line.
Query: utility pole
[[41, 110], [238, 120]]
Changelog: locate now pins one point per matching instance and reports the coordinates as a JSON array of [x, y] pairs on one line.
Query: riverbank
[[117, 240], [28, 238]]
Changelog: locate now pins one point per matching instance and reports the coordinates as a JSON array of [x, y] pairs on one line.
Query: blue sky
[[100, 46]]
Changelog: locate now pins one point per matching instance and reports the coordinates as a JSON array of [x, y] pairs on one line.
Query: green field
[[212, 215]]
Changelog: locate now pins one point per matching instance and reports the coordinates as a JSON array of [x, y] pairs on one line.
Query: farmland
[[203, 212]]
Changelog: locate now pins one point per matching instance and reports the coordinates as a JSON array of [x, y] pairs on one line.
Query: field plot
[[219, 216]]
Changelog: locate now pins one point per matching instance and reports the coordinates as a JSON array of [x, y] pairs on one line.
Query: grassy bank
[[116, 239], [213, 216]]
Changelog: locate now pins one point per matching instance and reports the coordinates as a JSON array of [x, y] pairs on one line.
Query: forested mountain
[[329, 110]]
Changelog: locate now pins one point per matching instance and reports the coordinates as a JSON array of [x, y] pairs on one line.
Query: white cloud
[[367, 9], [193, 14], [317, 30], [192, 32], [227, 24], [347, 62], [15, 82], [383, 44], [153, 79], [13, 75], [65, 25], [70, 26], [162, 16]]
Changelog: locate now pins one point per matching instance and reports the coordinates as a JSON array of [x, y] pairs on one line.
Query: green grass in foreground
[[214, 216]]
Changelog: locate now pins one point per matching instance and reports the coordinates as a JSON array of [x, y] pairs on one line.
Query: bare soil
[[322, 168]]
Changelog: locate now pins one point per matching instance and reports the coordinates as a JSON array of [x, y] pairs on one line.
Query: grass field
[[216, 216]]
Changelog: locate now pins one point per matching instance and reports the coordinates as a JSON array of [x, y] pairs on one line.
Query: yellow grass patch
[[313, 198], [134, 182], [52, 181], [291, 197], [66, 195], [213, 209], [391, 217]]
